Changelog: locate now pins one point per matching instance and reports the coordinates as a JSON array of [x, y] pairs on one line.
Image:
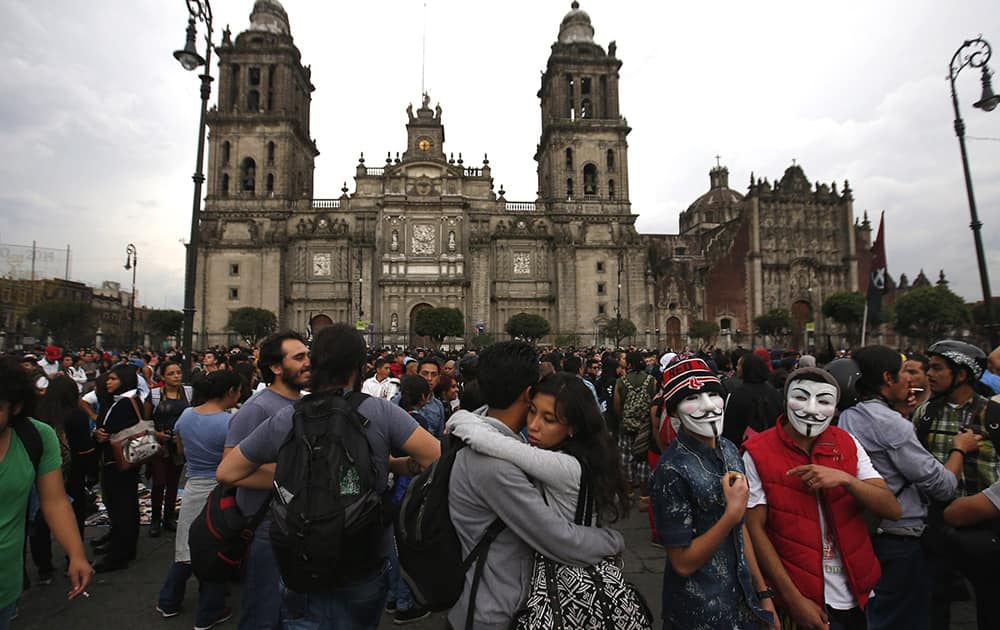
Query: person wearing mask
[[201, 437], [810, 484], [119, 487], [903, 593]]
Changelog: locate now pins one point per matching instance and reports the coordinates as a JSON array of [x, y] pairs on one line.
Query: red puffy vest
[[793, 520]]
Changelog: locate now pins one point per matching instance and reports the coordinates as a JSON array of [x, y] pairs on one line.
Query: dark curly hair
[[591, 443]]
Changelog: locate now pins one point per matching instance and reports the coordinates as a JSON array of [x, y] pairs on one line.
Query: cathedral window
[[601, 309], [611, 189], [253, 101], [570, 97], [248, 176], [569, 159], [225, 153], [725, 324], [254, 76], [601, 288], [611, 159], [586, 109], [271, 72], [589, 179], [600, 266], [270, 183], [234, 86], [225, 185], [234, 293], [604, 96], [270, 153], [234, 269], [569, 187]]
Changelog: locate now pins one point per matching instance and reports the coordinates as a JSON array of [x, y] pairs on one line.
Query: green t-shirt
[[17, 476]]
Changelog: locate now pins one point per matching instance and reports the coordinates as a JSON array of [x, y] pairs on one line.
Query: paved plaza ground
[[125, 599]]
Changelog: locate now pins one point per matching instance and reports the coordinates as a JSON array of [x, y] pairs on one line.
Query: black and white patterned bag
[[596, 597]]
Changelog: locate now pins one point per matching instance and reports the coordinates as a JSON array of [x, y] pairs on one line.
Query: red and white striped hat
[[692, 376]]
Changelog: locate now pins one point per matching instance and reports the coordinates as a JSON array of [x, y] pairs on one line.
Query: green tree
[[165, 322], [773, 323], [703, 330], [528, 326], [438, 323], [481, 341], [252, 323], [847, 308], [618, 329], [570, 340], [68, 322], [929, 313]]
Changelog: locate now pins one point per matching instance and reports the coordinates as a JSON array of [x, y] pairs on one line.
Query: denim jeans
[[357, 606], [5, 614], [903, 594], [260, 598], [399, 590], [211, 596]]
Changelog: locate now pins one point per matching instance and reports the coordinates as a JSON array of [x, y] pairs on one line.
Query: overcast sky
[[98, 122]]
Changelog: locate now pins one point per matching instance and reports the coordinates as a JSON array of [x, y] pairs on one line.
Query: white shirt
[[836, 590], [375, 388]]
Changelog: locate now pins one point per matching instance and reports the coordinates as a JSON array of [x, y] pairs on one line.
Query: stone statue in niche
[[452, 246], [394, 241], [394, 323]]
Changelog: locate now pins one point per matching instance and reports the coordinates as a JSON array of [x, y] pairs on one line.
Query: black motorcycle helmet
[[846, 372]]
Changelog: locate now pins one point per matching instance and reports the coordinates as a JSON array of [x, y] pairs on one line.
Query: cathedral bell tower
[[582, 152], [259, 146]]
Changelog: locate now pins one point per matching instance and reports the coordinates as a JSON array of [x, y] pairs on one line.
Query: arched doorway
[[318, 323], [802, 313], [415, 339], [674, 334]]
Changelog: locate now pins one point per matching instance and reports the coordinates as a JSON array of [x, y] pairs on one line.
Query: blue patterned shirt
[[687, 500]]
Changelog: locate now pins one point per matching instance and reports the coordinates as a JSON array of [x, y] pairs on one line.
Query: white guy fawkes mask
[[810, 406], [702, 414]]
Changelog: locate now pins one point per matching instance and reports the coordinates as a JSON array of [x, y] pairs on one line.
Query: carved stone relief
[[422, 242], [522, 263]]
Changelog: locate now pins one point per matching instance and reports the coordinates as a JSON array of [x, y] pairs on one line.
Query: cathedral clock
[[424, 144]]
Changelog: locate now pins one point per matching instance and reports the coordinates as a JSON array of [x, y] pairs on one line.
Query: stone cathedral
[[425, 230]]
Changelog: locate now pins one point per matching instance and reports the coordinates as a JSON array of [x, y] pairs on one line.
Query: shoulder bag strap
[[31, 439], [478, 554]]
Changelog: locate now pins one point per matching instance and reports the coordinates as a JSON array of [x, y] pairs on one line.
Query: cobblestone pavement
[[125, 599]]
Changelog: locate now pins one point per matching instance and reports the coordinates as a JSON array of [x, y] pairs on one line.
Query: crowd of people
[[851, 492]]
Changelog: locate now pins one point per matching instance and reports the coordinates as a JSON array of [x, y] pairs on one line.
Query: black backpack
[[31, 439], [220, 536], [326, 513], [430, 554]]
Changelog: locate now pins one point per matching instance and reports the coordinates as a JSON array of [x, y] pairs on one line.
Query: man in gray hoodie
[[484, 488], [903, 594]]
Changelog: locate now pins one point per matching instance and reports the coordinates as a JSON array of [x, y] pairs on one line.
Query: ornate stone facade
[[425, 229]]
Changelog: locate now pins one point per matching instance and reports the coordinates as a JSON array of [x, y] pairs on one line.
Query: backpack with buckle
[[327, 519], [220, 536]]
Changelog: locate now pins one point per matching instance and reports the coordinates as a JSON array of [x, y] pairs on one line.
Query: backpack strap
[[478, 554], [32, 441]]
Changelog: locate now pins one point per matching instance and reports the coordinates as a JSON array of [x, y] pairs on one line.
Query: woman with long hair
[[568, 438], [119, 487], [165, 406], [60, 409], [201, 435]]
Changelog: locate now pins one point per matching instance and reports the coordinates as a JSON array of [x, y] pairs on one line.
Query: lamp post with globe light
[[199, 10], [975, 53]]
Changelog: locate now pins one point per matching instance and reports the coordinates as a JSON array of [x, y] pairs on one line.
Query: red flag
[[878, 283]]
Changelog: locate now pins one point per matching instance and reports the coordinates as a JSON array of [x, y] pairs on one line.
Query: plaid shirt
[[938, 423]]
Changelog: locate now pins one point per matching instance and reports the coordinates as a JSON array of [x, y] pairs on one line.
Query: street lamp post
[[618, 305], [975, 53], [131, 262], [191, 60]]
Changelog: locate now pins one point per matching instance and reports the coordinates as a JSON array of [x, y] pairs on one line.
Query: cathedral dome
[[719, 195], [269, 16], [576, 27]]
